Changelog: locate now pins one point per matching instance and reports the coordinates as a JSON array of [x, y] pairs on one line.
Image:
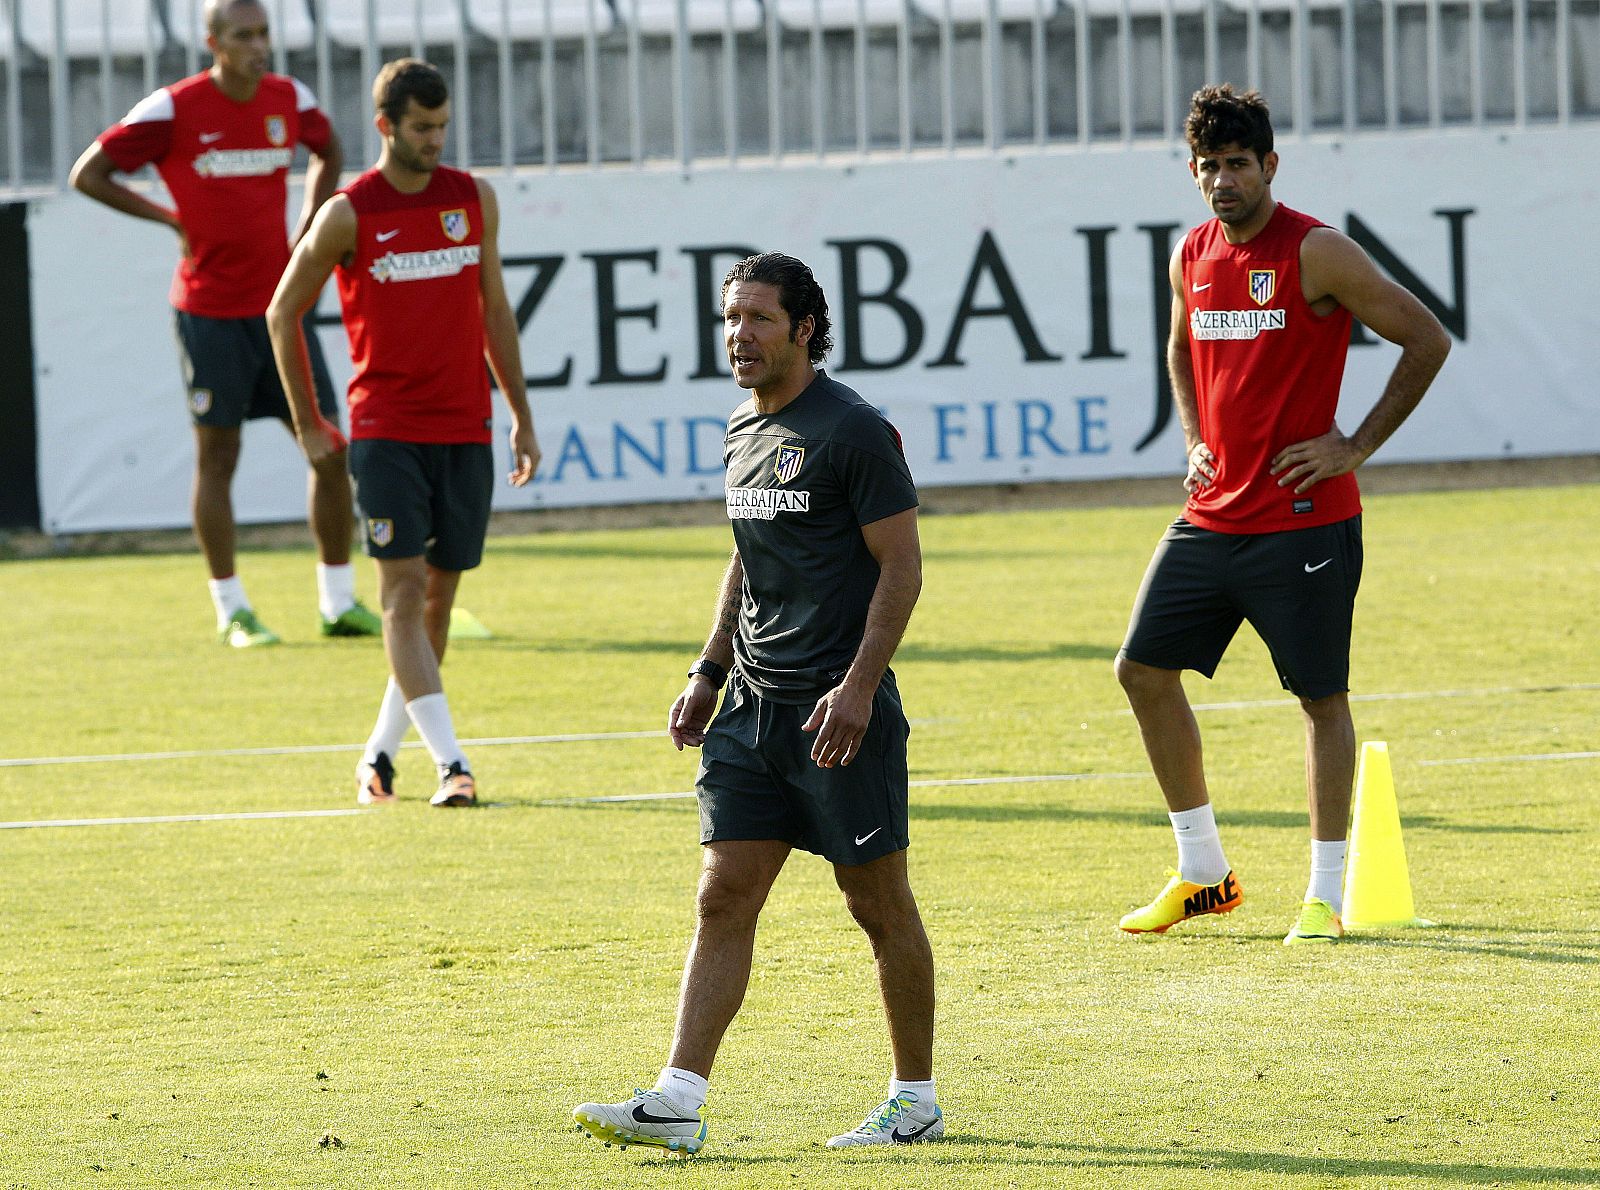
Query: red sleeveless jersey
[[1266, 375], [414, 312], [226, 165]]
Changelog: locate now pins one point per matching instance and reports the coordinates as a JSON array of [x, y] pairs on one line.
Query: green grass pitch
[[414, 998]]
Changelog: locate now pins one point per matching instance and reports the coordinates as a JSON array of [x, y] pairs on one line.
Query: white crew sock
[[922, 1092], [1327, 872], [227, 595], [1200, 858], [686, 1088], [431, 714], [336, 589], [392, 725]]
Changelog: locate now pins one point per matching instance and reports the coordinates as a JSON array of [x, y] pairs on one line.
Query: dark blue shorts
[[230, 373], [1297, 588], [424, 498], [757, 779]]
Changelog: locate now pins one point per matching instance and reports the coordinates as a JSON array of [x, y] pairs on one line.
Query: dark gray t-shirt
[[801, 482]]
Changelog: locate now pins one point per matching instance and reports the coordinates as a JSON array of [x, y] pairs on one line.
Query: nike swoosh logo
[[1310, 569], [645, 1117], [905, 1138], [207, 138], [383, 237], [1199, 288], [863, 838]]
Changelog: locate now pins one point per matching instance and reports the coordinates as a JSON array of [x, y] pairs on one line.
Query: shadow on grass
[[685, 552], [1530, 946], [996, 1154], [505, 643], [913, 651]]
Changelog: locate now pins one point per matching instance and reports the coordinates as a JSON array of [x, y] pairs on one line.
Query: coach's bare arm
[[1335, 270], [94, 174], [691, 713], [332, 239], [842, 715]]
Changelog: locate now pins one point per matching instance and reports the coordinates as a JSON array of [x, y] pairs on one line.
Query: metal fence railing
[[690, 83]]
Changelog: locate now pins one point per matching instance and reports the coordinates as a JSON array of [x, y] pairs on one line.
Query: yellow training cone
[[466, 626], [1377, 886]]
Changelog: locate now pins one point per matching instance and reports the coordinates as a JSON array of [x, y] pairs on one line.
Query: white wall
[[115, 446]]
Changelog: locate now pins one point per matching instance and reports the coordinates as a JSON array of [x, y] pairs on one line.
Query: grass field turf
[[202, 1004]]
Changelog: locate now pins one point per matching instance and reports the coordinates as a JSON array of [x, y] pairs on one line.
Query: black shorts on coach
[[424, 498], [1297, 589], [757, 779], [231, 375]]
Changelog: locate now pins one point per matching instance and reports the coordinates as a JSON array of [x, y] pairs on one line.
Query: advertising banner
[[1008, 314]]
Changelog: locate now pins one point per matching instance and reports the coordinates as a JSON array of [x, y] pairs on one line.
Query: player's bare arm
[[1334, 269], [842, 715], [332, 239], [691, 712], [322, 179], [502, 345], [94, 174], [1202, 466]]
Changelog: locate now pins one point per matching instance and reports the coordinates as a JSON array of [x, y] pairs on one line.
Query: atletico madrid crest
[[380, 530], [787, 464], [455, 225], [1263, 284], [277, 131]]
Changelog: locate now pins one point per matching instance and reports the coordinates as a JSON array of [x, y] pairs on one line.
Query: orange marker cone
[[1377, 885]]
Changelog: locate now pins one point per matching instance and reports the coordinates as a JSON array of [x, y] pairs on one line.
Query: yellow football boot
[[1318, 923], [1182, 899]]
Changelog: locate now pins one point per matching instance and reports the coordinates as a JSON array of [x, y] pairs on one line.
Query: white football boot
[[649, 1118], [898, 1120]]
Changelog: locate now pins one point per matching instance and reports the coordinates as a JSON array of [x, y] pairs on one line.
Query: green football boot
[[355, 620], [245, 631]]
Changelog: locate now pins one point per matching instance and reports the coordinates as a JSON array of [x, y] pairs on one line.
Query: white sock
[[431, 714], [336, 589], [1327, 872], [687, 1089], [1200, 858], [391, 727], [921, 1093], [227, 594]]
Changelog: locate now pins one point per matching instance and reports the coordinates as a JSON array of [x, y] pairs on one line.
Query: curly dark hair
[[798, 293], [405, 79], [1220, 116]]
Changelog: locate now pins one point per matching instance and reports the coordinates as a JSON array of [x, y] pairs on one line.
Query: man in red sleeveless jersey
[[414, 246], [1263, 299], [223, 141]]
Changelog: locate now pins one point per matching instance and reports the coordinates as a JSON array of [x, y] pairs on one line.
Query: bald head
[[219, 14]]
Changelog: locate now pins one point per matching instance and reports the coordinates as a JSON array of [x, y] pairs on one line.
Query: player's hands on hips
[[1202, 468], [321, 440], [840, 719], [1308, 463], [525, 455], [691, 714]]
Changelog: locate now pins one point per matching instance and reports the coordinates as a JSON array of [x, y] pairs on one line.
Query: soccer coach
[[809, 747]]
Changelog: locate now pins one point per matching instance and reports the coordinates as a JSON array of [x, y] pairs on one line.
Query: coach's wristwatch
[[710, 671]]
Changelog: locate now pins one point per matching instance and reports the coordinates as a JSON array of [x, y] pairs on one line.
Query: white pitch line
[[1402, 696], [660, 797], [155, 818], [593, 736], [1525, 758], [312, 749]]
